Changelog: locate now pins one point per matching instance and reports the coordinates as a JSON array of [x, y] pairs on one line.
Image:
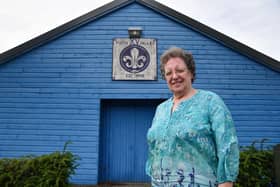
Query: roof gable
[[156, 6]]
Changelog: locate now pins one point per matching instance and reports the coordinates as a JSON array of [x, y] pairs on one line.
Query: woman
[[192, 141]]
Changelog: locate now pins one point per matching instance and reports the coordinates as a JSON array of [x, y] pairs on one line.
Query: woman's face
[[177, 75]]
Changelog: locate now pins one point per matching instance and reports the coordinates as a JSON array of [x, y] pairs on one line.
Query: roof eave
[[158, 7], [61, 30], [213, 34]]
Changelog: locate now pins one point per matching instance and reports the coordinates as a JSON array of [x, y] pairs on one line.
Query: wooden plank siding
[[52, 94]]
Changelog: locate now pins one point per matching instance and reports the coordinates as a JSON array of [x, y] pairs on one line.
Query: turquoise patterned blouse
[[193, 146]]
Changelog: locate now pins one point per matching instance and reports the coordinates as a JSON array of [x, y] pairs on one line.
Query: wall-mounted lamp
[[134, 32]]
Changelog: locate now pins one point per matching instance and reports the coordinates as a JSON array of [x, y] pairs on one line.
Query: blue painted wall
[[52, 94]]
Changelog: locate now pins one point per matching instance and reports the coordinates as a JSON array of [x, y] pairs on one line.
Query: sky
[[251, 22]]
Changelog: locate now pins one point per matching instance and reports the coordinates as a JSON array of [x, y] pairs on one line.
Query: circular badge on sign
[[134, 59]]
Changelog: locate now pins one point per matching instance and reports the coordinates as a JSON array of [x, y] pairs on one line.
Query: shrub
[[43, 171], [256, 167]]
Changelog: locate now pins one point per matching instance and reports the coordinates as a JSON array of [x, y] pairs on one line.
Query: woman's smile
[[178, 77]]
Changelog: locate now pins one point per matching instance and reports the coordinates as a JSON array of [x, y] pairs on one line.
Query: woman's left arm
[[226, 184], [226, 142]]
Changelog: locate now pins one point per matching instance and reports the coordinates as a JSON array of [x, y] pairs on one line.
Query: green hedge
[[256, 167], [43, 171]]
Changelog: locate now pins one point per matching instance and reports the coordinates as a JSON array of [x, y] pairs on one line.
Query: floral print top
[[195, 145]]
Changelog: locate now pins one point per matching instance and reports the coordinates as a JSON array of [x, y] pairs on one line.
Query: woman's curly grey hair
[[174, 52]]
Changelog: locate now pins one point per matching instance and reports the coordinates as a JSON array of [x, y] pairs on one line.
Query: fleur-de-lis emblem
[[134, 58]]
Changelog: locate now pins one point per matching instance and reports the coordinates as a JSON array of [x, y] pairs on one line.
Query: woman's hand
[[226, 184]]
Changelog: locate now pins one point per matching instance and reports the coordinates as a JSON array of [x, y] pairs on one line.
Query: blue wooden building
[[59, 87]]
